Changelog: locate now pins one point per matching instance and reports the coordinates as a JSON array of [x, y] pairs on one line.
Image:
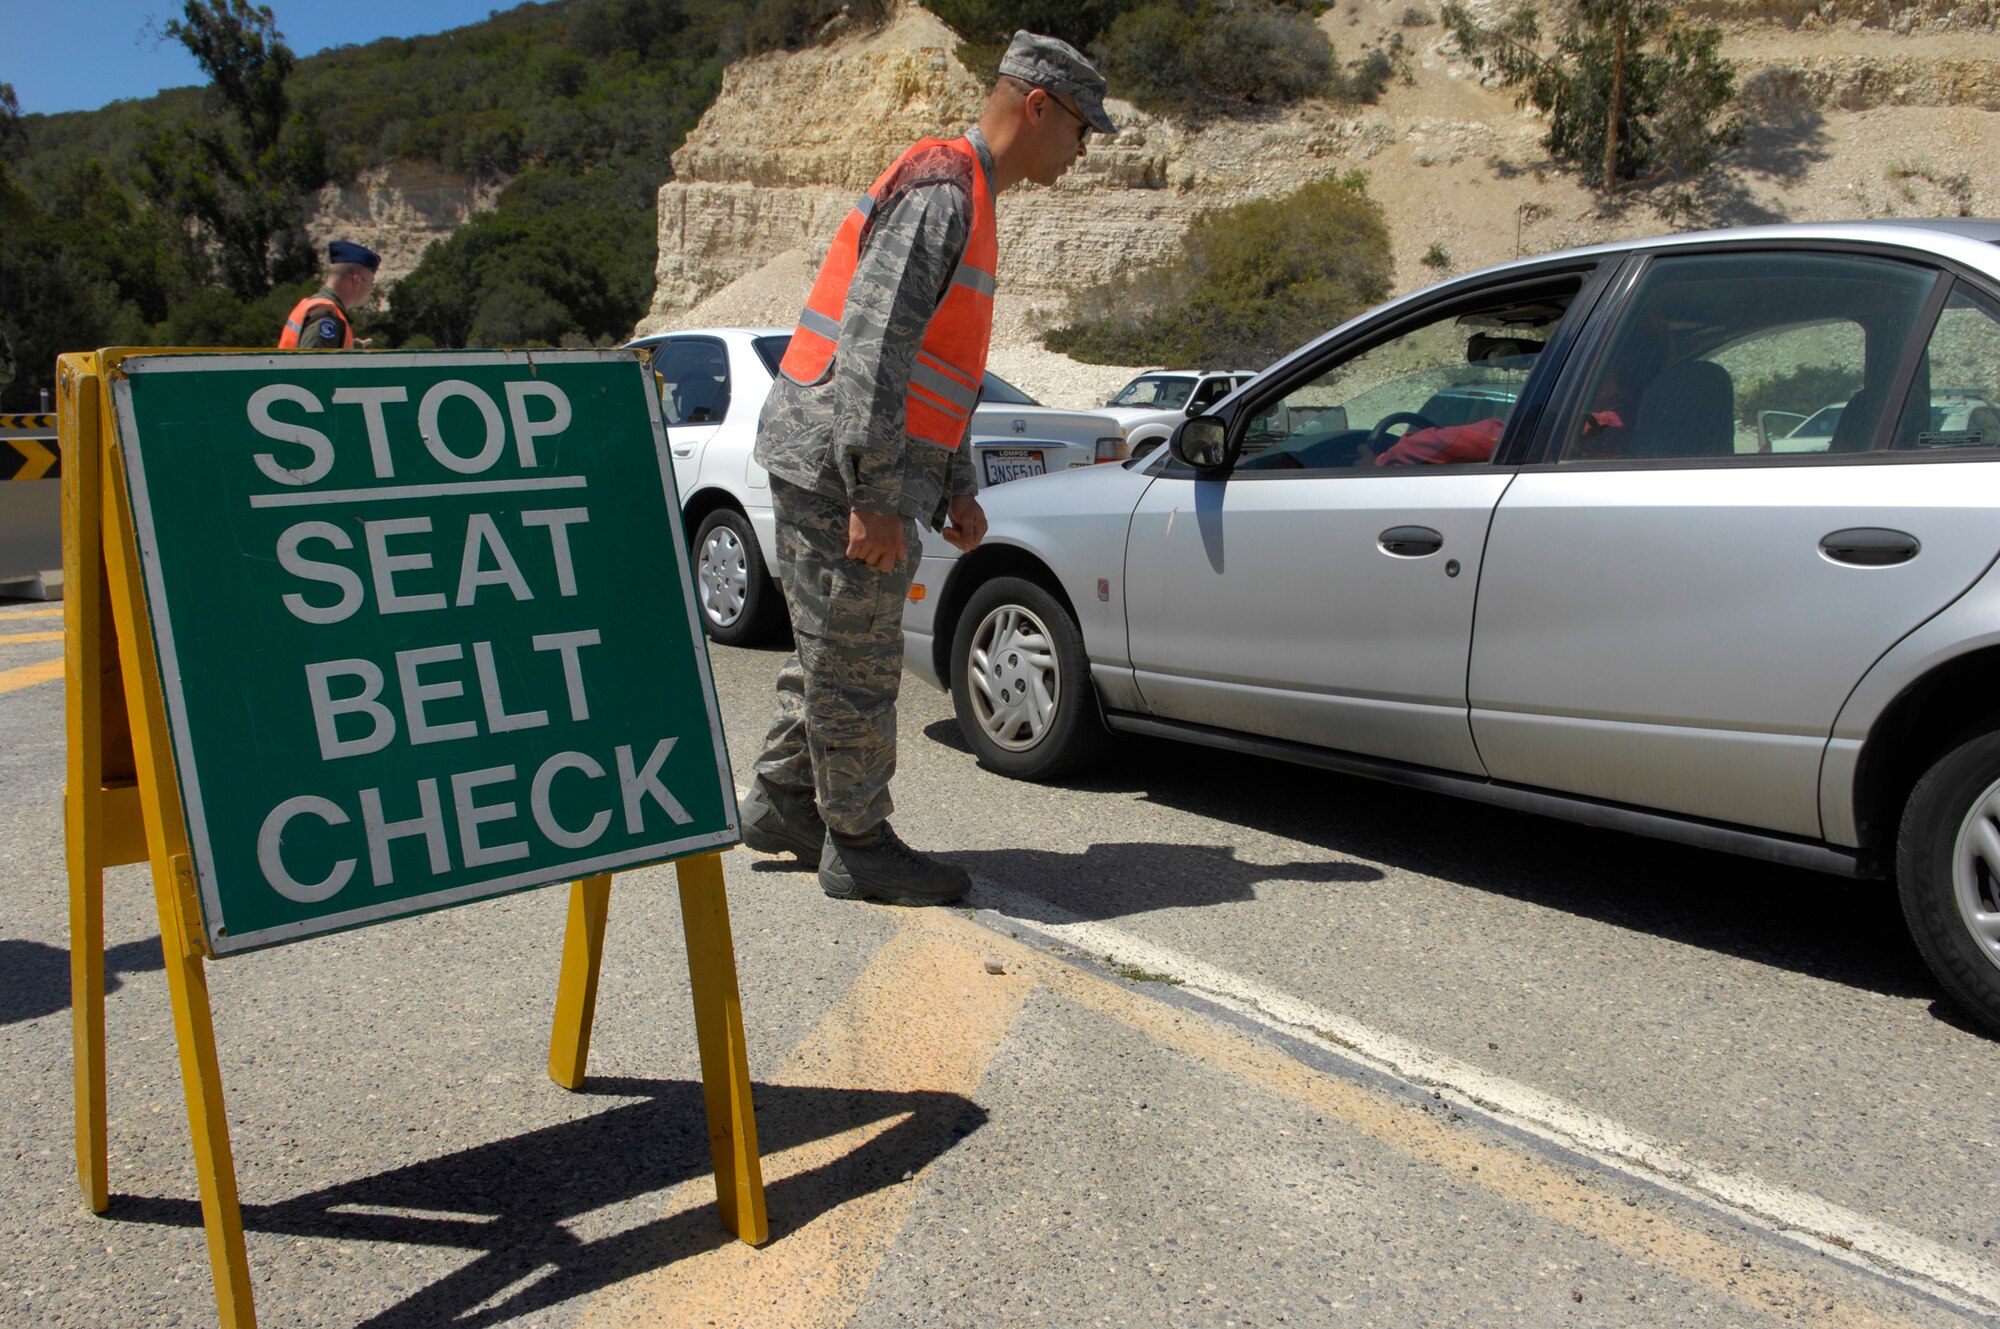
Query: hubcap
[[1975, 873], [725, 581], [1014, 682]]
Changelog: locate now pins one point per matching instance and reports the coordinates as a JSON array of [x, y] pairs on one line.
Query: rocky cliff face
[[398, 211], [1866, 109]]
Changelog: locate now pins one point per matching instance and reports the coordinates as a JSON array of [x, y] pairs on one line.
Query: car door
[[1669, 615], [1310, 593], [694, 399]]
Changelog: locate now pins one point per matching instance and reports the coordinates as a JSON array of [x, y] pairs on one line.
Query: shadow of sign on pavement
[[509, 1203]]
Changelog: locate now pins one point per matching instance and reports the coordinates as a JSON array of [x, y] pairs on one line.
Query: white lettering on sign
[[526, 431], [371, 401], [471, 816], [481, 827], [498, 721], [635, 786], [271, 839], [559, 520], [385, 565], [545, 818], [489, 448], [327, 709], [429, 823], [317, 443], [416, 693], [567, 643], [333, 574], [482, 534], [485, 559]]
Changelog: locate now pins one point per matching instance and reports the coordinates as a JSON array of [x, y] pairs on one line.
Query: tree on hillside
[[1633, 95], [241, 180]]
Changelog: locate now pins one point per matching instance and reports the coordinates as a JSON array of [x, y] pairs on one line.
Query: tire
[[1020, 682], [740, 604], [1948, 874]]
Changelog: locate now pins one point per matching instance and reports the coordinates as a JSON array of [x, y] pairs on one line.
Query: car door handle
[[1869, 546], [684, 449], [1411, 541]]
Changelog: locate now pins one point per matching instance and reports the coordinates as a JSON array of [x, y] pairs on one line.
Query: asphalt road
[[1265, 1046]]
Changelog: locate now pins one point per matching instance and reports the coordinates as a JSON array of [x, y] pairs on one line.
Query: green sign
[[424, 629]]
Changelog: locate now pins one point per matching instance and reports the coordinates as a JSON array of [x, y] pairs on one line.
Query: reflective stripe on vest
[[951, 363], [295, 323]]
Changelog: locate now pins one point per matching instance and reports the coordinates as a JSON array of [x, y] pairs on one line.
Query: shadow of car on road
[[1848, 932]]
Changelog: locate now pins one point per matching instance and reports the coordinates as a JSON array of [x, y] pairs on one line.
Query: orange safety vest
[[951, 362], [295, 323]]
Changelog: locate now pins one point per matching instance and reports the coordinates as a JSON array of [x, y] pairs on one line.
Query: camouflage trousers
[[835, 730]]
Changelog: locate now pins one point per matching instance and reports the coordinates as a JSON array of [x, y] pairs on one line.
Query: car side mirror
[[1775, 424], [1202, 443]]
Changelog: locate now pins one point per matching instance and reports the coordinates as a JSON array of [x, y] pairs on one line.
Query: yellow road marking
[[23, 638], [30, 613], [29, 675], [923, 1019], [926, 1017], [1734, 1270]]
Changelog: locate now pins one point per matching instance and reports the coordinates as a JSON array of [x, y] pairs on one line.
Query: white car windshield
[[1167, 392]]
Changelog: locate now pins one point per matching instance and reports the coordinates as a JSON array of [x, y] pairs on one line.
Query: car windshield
[[1165, 391], [998, 391]]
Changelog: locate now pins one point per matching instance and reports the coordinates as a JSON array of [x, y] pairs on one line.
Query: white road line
[[1840, 1233]]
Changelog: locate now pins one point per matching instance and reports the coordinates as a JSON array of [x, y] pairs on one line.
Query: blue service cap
[[346, 251]]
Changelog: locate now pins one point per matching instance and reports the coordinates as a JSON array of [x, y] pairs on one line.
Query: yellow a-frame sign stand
[[122, 806]]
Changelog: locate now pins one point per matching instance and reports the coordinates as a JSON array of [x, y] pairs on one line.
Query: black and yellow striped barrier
[[46, 420], [29, 458]]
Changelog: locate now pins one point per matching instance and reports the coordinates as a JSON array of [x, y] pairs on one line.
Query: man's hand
[[876, 538], [965, 523]]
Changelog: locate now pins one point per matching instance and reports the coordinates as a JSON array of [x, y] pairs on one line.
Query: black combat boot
[[782, 821], [877, 865]]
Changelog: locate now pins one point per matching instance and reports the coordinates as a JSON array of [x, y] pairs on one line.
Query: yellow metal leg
[[576, 990], [725, 1068], [83, 804], [201, 1078], [86, 996]]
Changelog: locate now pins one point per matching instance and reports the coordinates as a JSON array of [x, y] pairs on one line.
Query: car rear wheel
[[1948, 872], [740, 604], [1021, 684]]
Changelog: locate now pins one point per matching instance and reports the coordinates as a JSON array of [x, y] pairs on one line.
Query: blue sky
[[63, 57]]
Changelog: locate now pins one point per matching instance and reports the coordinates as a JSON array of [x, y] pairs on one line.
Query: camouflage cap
[[1051, 63]]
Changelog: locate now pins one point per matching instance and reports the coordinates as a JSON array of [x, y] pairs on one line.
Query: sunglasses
[[1083, 126]]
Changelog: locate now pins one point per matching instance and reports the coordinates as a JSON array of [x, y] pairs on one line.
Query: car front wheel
[[740, 604], [1948, 872], [1020, 682]]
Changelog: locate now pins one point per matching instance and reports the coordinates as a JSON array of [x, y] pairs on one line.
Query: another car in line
[[713, 382], [1153, 404], [1603, 600]]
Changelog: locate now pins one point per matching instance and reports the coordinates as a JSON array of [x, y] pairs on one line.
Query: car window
[[1749, 355], [694, 380], [1211, 391], [999, 392], [1955, 401], [1155, 391], [1436, 395], [771, 350]]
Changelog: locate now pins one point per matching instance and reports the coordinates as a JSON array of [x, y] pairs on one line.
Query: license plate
[[1004, 464]]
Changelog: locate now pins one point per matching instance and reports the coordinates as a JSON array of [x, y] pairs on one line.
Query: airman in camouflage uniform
[[849, 485]]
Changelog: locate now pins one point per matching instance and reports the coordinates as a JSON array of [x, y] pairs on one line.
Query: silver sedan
[[1520, 537]]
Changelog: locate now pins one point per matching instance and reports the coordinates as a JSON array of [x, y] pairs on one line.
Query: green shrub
[[1215, 57], [1251, 282]]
